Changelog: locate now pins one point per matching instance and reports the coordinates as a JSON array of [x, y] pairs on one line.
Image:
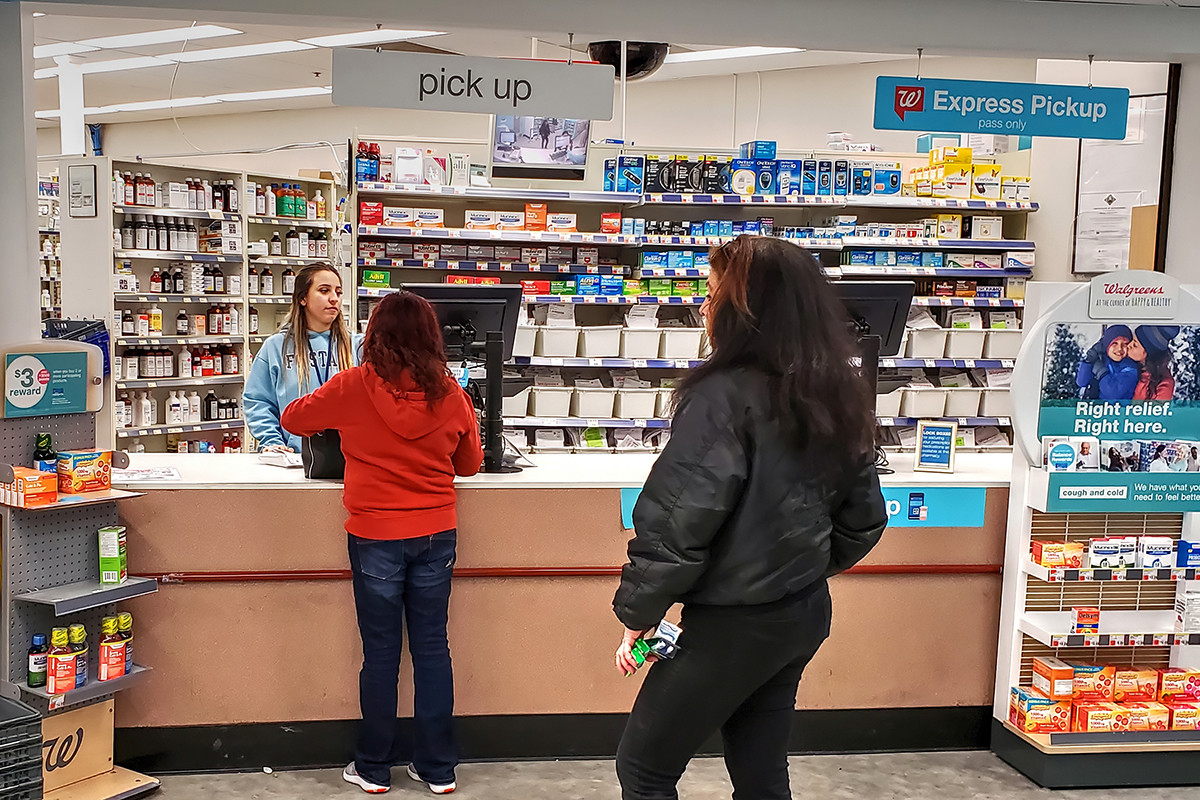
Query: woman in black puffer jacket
[[767, 487]]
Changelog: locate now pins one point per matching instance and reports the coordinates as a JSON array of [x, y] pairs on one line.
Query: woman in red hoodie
[[407, 430]]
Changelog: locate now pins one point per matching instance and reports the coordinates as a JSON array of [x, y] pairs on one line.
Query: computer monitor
[[878, 308], [507, 137], [469, 312]]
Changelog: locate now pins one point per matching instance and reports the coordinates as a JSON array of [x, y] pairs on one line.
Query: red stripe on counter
[[251, 576]]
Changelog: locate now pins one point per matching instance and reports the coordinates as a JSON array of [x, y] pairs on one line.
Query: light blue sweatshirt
[[274, 382]]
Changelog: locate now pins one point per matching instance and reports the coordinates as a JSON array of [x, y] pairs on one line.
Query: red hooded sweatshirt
[[401, 457]]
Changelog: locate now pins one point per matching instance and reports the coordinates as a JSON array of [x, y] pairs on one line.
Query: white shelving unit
[[239, 227], [49, 264]]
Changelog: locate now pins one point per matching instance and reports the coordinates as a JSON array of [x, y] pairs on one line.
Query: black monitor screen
[[878, 308], [468, 313]]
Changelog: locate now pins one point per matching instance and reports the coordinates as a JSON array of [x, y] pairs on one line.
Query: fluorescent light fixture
[[185, 102], [152, 105], [61, 49], [241, 51], [122, 64], [728, 52], [37, 14], [159, 37], [379, 36], [273, 94]]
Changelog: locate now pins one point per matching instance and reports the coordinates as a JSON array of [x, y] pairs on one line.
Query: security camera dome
[[642, 58]]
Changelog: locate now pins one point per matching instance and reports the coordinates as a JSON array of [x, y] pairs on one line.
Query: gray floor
[[927, 776]]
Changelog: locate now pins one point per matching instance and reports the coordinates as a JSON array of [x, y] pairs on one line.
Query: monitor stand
[[493, 403]]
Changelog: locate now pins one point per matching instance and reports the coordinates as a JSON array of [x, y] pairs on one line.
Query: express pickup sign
[[1023, 109]]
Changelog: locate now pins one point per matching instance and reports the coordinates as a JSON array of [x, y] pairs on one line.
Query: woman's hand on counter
[[278, 448], [626, 664]]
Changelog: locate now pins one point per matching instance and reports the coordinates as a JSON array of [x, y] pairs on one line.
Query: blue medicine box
[[630, 173], [725, 227], [751, 227], [908, 258], [612, 285], [789, 180], [808, 177], [696, 229], [766, 176], [587, 284], [627, 226], [885, 258], [1188, 554], [680, 259], [933, 258], [862, 258], [757, 149], [712, 227], [700, 260], [737, 228], [654, 258]]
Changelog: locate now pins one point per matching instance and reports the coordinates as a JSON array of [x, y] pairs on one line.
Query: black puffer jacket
[[734, 514]]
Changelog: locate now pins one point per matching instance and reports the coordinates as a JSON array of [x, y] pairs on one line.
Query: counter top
[[551, 471]]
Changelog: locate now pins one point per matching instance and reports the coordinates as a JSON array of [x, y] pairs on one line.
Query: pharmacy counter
[[253, 629]]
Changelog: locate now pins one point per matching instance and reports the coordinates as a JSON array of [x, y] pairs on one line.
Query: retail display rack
[[49, 265], [595, 244], [51, 578], [1139, 624], [227, 316]]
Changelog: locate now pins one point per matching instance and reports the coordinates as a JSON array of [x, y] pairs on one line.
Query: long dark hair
[[773, 311], [1158, 367], [297, 324], [404, 336]]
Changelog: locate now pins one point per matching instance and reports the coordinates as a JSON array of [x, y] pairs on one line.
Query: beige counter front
[[254, 621]]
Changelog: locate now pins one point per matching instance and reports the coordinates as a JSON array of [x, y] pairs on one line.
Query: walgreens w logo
[[908, 98]]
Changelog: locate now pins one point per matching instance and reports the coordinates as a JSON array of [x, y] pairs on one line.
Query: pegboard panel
[[1108, 595], [1081, 527], [70, 432], [1157, 657], [44, 549]]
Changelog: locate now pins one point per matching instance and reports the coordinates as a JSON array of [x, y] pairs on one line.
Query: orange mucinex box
[[1135, 685], [1058, 554], [1179, 684], [1148, 716], [1093, 682], [1053, 678]]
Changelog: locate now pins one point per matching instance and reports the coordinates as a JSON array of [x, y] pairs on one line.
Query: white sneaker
[[350, 775], [436, 788]]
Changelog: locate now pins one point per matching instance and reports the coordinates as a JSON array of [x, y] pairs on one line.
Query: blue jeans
[[405, 580]]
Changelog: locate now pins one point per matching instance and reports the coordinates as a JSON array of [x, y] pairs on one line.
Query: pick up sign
[[511, 86], [1024, 109]]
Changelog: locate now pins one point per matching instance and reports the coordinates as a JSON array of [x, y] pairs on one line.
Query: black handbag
[[322, 456]]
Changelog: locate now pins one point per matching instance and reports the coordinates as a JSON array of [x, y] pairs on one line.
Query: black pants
[[737, 671]]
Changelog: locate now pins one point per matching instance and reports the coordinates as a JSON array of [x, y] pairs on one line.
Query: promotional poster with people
[[1121, 397]]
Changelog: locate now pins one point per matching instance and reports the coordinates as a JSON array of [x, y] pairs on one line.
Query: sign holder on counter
[[936, 442], [1106, 424]]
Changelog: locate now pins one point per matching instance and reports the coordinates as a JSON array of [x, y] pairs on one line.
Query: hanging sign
[[37, 384], [512, 86], [1025, 109]]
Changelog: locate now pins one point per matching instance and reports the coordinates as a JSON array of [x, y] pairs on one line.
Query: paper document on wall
[[1102, 230]]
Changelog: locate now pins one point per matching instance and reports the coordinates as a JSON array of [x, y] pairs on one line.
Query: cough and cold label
[[112, 660], [60, 672]]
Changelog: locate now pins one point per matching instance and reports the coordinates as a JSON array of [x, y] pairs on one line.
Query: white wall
[[1054, 163], [1185, 198]]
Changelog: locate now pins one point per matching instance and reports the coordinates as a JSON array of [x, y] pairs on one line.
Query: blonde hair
[[297, 326]]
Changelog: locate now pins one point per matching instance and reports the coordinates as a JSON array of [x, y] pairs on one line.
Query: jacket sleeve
[[320, 410], [858, 520], [1120, 381], [468, 456], [692, 489], [259, 401]]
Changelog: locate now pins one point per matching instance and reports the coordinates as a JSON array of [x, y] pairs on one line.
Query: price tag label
[[639, 423], [962, 420], [682, 364], [1007, 363], [887, 422], [556, 362], [640, 363], [593, 423], [970, 362], [992, 301], [887, 363], [1005, 421], [595, 362], [930, 363], [174, 430]]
